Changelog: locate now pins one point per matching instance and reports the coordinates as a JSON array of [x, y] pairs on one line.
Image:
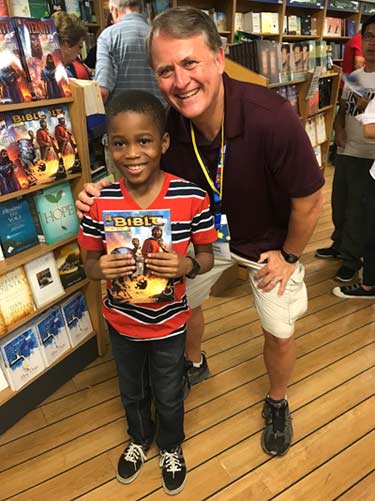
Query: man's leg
[[278, 315], [279, 358], [198, 290], [195, 327]]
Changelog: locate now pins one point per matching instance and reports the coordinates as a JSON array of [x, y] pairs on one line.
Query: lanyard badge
[[221, 223]]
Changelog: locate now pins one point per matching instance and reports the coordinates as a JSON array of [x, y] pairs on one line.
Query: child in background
[[148, 340]]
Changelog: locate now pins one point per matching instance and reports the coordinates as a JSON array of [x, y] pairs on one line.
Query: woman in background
[[71, 32]]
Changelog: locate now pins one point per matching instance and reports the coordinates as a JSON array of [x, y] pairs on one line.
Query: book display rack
[[50, 320]]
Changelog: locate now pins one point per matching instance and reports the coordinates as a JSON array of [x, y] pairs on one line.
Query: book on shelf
[[320, 125], [318, 154], [42, 57], [77, 318], [47, 148], [16, 298], [85, 10], [36, 221], [14, 86], [3, 327], [21, 8], [3, 8], [56, 6], [137, 233], [17, 230], [69, 264], [56, 210], [3, 380], [21, 356], [52, 335], [292, 96], [311, 131], [72, 7], [39, 8], [44, 279]]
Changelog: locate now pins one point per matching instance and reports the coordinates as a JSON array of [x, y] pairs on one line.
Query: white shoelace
[[134, 452], [171, 460]]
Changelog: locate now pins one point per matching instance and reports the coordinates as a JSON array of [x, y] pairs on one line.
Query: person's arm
[[99, 266], [172, 265], [105, 93], [305, 212], [339, 125]]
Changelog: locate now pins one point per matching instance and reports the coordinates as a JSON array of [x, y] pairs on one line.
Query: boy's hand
[[116, 265], [361, 102], [85, 200], [168, 264]]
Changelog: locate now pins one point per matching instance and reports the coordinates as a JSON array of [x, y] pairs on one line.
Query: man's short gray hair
[[122, 4], [185, 22]]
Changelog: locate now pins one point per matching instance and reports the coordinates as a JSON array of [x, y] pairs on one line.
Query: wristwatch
[[195, 269], [289, 258]]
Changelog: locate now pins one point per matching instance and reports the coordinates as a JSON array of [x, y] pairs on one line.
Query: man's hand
[[277, 270], [168, 264], [116, 265], [85, 200]]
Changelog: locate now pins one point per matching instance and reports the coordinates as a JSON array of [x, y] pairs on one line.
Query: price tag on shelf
[[314, 84]]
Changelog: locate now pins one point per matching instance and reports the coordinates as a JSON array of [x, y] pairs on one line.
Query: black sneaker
[[345, 274], [173, 470], [197, 374], [130, 463], [327, 253], [278, 432], [354, 291]]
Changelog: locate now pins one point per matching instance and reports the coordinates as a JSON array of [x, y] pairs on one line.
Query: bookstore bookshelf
[[50, 320]]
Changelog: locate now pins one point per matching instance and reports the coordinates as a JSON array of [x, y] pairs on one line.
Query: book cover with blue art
[[138, 233], [56, 211], [52, 335], [17, 230], [77, 318], [42, 56], [22, 357]]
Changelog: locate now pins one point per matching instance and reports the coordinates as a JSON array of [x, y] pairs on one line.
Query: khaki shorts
[[277, 314]]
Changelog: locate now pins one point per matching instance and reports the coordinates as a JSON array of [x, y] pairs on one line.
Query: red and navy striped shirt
[[191, 221]]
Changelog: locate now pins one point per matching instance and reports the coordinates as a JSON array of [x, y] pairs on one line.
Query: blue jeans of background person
[[159, 363]]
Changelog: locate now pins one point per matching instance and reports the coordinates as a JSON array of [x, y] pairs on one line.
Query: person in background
[[121, 61], [353, 58], [148, 339], [246, 146], [366, 289], [71, 32], [356, 154]]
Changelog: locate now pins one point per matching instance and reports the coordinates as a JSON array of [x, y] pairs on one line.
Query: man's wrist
[[289, 257], [195, 268]]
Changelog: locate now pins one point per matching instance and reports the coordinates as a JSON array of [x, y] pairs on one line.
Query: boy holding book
[[148, 340]]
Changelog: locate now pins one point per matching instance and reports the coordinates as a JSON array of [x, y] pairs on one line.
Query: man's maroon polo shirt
[[269, 159]]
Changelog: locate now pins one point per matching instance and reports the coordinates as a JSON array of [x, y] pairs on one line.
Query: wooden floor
[[68, 447]]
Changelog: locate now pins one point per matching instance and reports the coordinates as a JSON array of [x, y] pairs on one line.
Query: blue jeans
[[158, 364]]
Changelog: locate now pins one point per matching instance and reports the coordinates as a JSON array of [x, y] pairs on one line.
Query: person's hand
[[340, 137], [276, 271], [85, 200], [361, 102], [168, 264], [116, 265]]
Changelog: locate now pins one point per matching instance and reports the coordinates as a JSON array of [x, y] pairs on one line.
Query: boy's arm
[[99, 266], [339, 125]]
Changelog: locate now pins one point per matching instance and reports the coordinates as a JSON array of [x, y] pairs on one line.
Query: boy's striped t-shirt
[[191, 221]]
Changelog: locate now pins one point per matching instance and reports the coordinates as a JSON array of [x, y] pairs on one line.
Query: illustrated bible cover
[[138, 233]]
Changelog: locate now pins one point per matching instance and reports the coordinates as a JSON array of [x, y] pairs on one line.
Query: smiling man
[[245, 145]]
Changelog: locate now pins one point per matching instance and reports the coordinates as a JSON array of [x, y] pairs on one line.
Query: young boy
[[356, 153], [148, 340]]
